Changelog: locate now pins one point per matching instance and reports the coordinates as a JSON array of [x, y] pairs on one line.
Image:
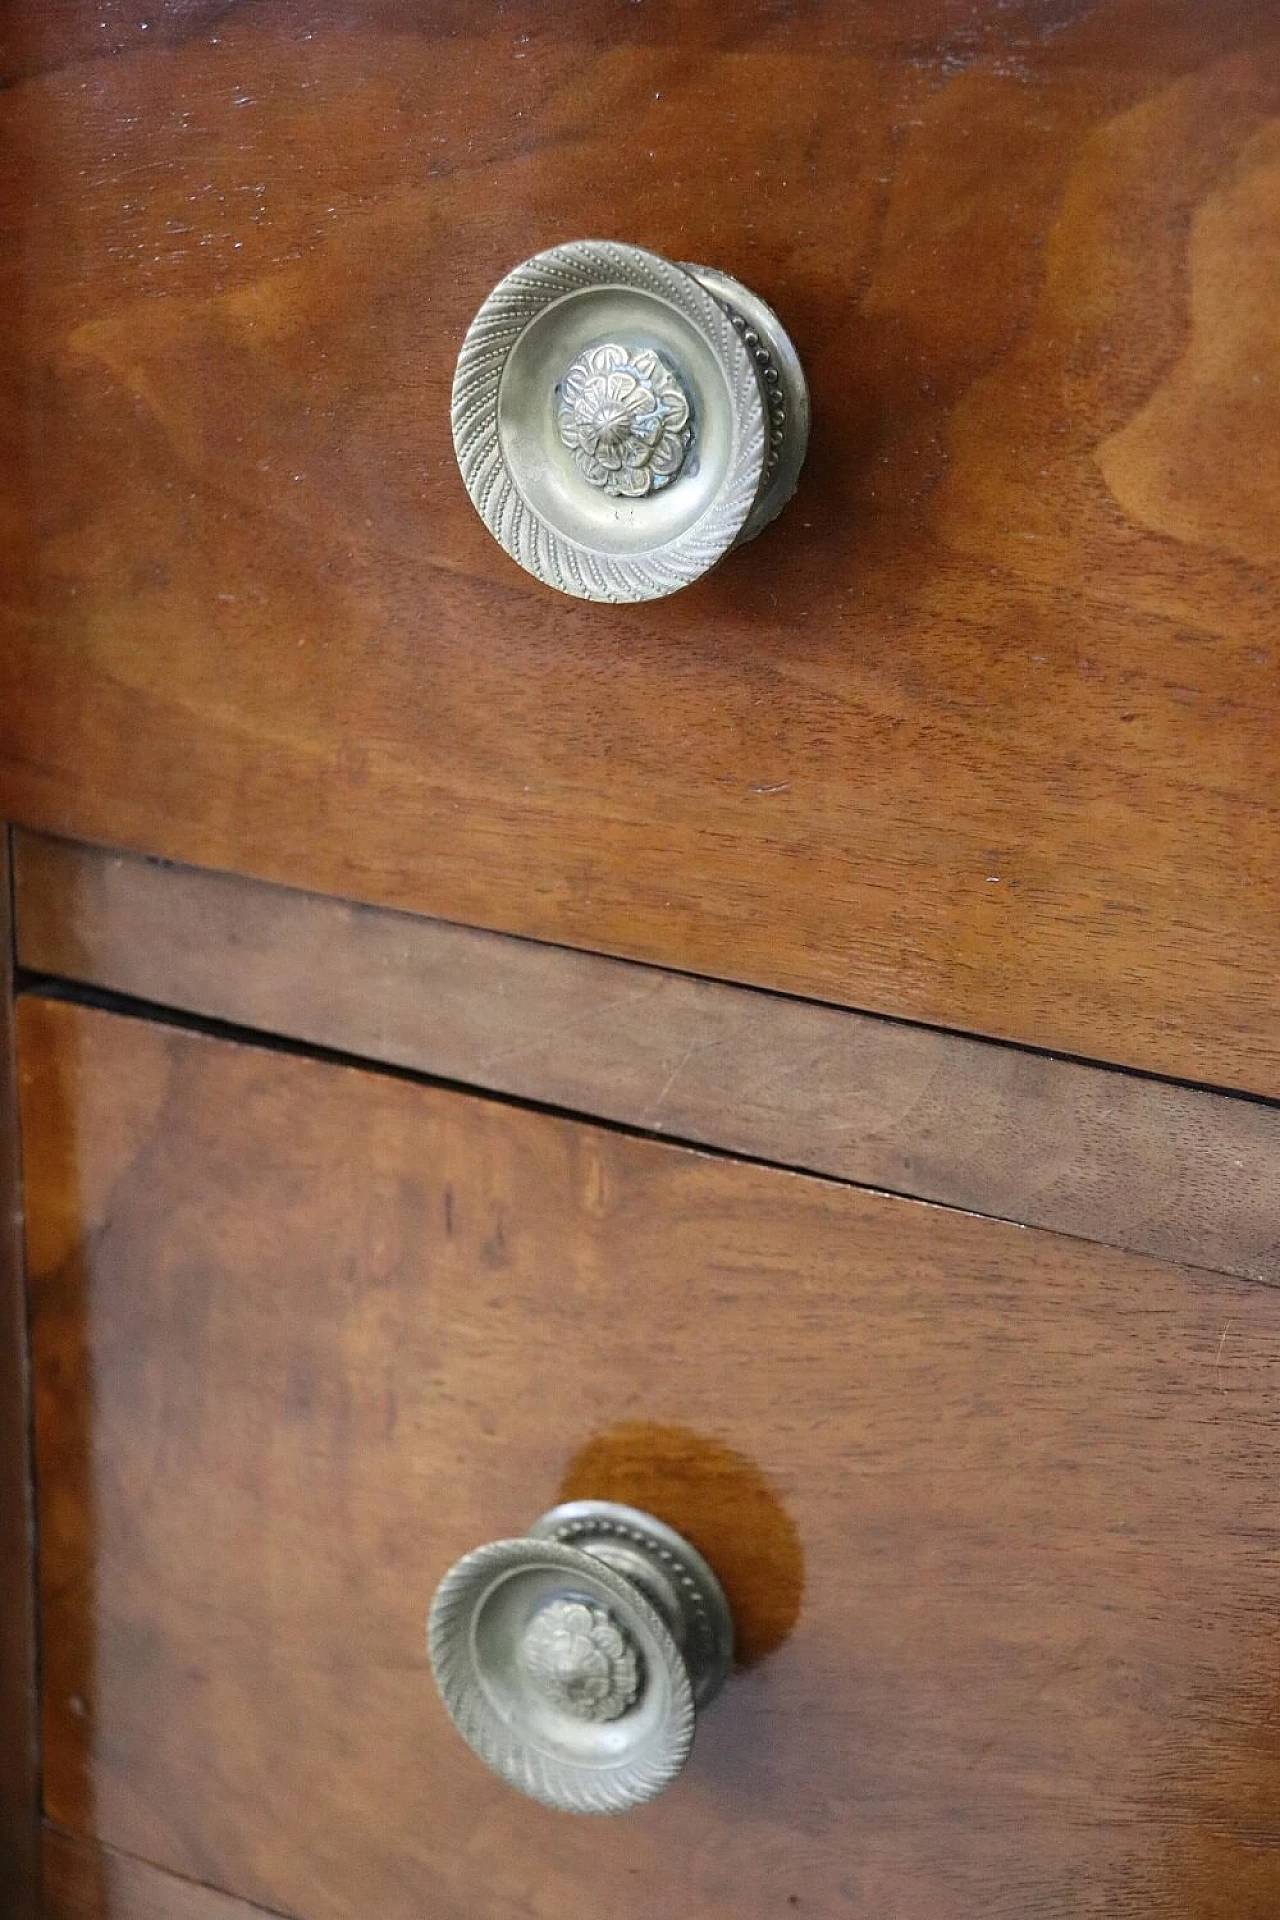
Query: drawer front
[[982, 732], [995, 1509]]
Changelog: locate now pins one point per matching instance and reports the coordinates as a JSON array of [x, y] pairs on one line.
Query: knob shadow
[[721, 1502]]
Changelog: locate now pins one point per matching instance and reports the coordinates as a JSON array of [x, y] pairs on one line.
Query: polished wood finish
[[86, 1882], [1007, 1535], [1136, 1163], [983, 733], [19, 1784]]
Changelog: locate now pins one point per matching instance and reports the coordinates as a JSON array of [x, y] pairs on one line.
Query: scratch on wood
[[695, 1046], [545, 1037]]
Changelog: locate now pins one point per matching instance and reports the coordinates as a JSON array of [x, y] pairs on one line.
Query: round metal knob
[[572, 1661], [622, 421]]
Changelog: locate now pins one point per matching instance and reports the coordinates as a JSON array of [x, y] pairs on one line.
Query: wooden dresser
[[800, 1057]]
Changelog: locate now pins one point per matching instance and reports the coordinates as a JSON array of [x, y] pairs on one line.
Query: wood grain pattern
[[318, 1331], [1169, 1170], [983, 733], [84, 1881], [19, 1785]]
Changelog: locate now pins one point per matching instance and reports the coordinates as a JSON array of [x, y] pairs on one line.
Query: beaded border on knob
[[551, 556], [703, 1650], [569, 1786]]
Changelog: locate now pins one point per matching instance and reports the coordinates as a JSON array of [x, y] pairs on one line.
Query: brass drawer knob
[[622, 421], [573, 1661]]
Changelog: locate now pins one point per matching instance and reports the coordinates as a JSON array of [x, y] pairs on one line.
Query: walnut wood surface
[[999, 1506], [84, 1881], [19, 1787], [1162, 1169], [983, 733]]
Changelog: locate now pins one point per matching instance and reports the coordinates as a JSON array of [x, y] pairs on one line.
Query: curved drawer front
[[982, 733], [994, 1510]]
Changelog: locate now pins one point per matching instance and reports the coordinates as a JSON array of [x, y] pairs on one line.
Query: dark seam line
[[233, 1900], [1026, 1049], [128, 1006]]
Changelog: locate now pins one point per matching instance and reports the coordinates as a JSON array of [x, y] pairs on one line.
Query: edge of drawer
[[1152, 1166]]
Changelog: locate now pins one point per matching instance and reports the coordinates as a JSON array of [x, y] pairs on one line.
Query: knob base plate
[[783, 388], [670, 1572]]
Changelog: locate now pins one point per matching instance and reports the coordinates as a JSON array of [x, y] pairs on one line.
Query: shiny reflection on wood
[[717, 1499]]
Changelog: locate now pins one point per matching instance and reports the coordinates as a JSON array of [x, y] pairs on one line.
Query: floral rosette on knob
[[625, 418]]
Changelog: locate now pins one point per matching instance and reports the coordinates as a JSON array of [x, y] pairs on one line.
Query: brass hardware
[[572, 1661], [622, 421]]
